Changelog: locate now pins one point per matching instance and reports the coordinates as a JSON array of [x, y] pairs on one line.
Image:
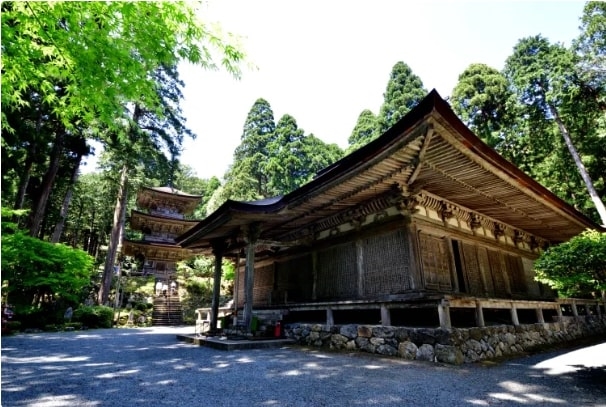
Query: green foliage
[[577, 267], [365, 130], [38, 271], [552, 102], [95, 317], [271, 159], [590, 46], [483, 101], [75, 325], [198, 294], [404, 91], [89, 46]]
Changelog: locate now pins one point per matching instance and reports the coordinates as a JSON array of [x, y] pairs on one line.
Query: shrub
[[576, 267], [98, 316], [76, 325], [141, 306]]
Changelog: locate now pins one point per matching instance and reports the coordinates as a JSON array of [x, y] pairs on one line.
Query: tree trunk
[[66, 201], [577, 159], [114, 238], [27, 168], [24, 177], [39, 207]]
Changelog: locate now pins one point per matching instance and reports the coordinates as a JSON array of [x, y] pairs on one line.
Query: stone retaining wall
[[455, 345]]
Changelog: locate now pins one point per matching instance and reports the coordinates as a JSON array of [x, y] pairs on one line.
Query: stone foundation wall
[[455, 345]]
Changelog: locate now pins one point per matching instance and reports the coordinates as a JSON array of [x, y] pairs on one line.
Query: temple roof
[[141, 220], [429, 150], [166, 197], [158, 251]]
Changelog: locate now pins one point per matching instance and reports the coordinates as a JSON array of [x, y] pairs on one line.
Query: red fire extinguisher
[[278, 329]]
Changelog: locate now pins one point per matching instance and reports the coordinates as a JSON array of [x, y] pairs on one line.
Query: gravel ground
[[149, 367]]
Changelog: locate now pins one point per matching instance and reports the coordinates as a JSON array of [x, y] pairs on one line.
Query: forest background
[[544, 112]]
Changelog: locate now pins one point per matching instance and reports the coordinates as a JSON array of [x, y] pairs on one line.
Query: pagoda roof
[[429, 151], [138, 220], [152, 197], [157, 251]]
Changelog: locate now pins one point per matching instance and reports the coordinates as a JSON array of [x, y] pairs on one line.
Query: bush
[[39, 317], [142, 306], [76, 325], [97, 316], [576, 267]]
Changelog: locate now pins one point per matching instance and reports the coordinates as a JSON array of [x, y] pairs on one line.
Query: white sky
[[323, 62]]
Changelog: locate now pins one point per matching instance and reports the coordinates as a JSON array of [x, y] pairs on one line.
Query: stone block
[[448, 354], [364, 331], [425, 352], [349, 331], [407, 350]]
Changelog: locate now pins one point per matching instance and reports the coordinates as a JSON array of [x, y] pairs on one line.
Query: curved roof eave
[[372, 152]]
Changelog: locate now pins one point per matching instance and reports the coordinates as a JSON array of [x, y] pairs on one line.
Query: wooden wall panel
[[435, 261], [337, 272], [471, 267], [486, 272], [386, 264], [515, 271], [497, 271], [294, 280]]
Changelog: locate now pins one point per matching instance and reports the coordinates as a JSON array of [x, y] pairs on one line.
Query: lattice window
[[435, 260], [386, 264], [498, 274], [471, 268], [337, 272], [263, 286]]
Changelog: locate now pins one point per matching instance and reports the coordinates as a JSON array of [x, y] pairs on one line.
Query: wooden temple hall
[[424, 226]]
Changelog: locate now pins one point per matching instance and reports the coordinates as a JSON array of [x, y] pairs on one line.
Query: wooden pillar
[[514, 315], [540, 317], [598, 308], [479, 315], [385, 316], [444, 315], [575, 311], [218, 247], [251, 236], [330, 318], [236, 289], [559, 311], [587, 310]]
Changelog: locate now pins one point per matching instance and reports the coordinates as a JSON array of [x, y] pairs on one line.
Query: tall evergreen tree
[[544, 78], [365, 130], [286, 165], [404, 91], [248, 175], [483, 101], [590, 47]]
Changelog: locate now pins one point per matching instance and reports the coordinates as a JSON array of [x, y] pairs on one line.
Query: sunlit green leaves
[[103, 51], [577, 267]]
